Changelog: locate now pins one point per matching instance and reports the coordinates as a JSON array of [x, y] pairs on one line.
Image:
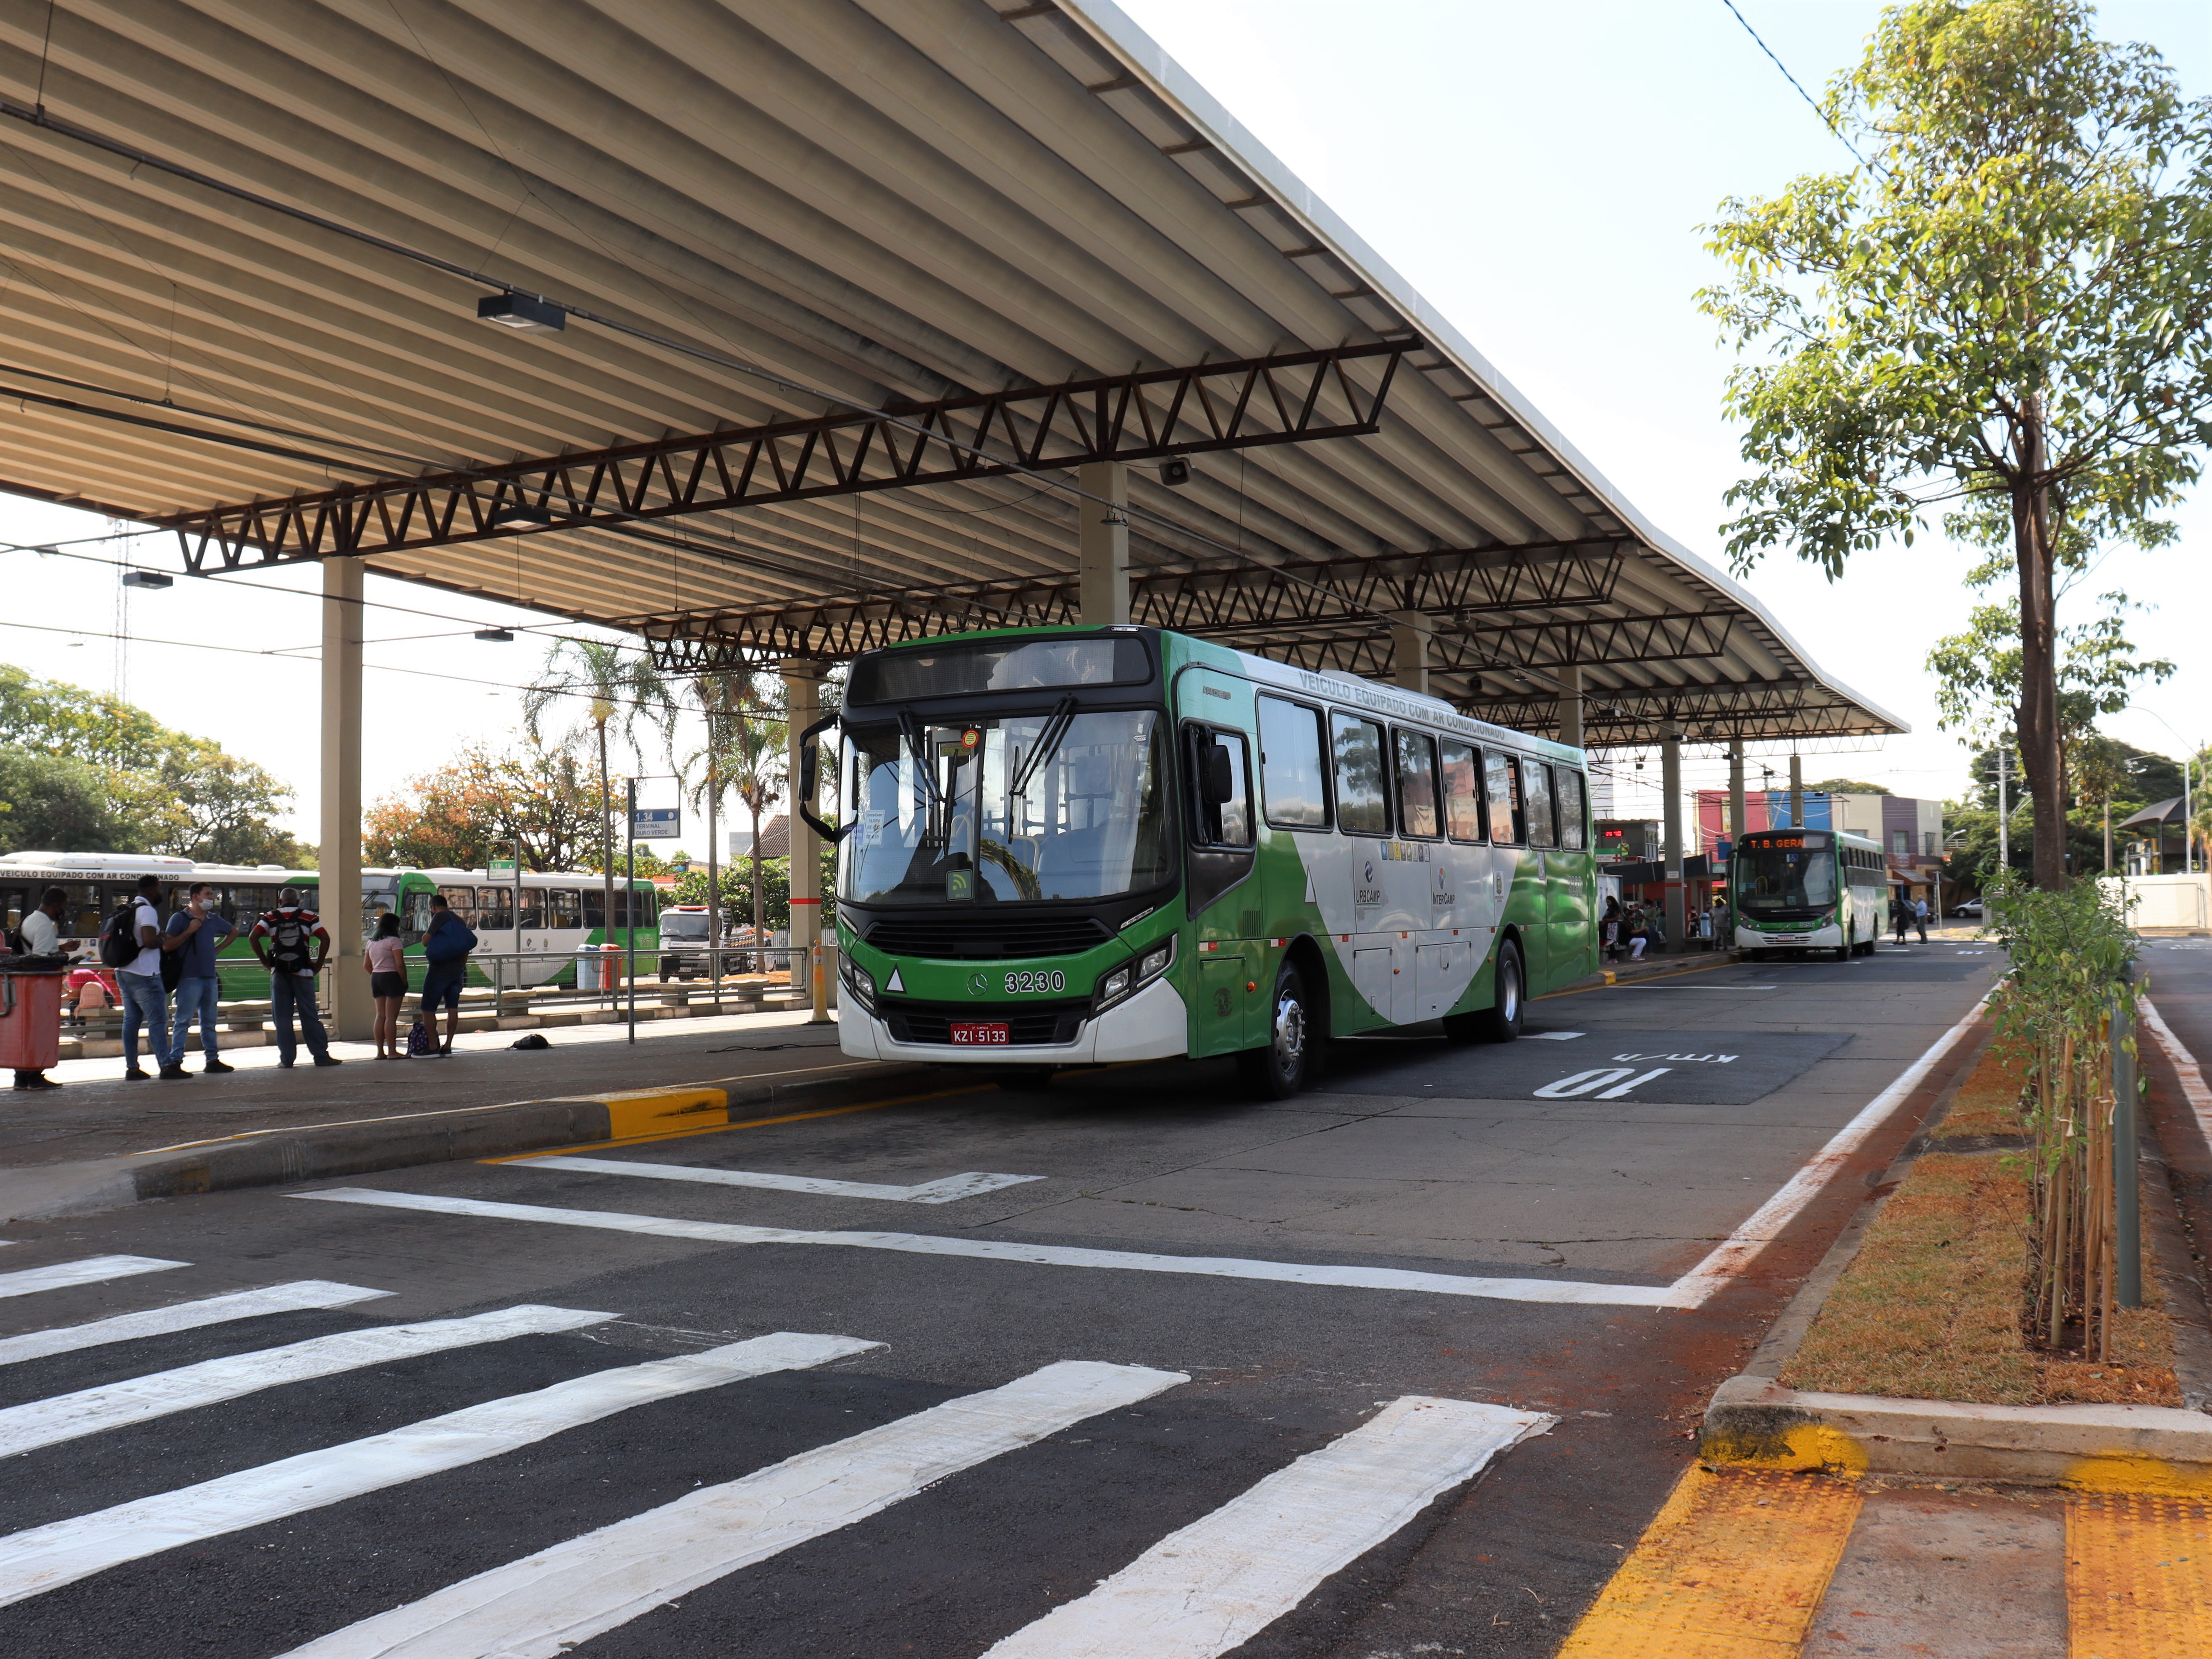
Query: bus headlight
[[858, 982], [1135, 976]]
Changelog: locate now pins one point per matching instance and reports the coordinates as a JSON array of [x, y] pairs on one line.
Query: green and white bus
[[1807, 890], [559, 912], [1071, 846]]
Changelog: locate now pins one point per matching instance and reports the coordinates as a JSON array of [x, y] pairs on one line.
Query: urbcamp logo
[[978, 983], [1370, 869]]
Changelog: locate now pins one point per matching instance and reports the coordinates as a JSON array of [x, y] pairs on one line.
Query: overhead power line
[[1813, 102]]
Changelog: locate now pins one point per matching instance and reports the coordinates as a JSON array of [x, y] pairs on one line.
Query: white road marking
[[115, 1405], [1217, 1583], [1741, 1247], [184, 1316], [2183, 1063], [1619, 1090], [1581, 1083], [1549, 1036], [91, 1270], [1662, 987], [544, 1604], [943, 1191], [1059, 1255], [41, 1559]]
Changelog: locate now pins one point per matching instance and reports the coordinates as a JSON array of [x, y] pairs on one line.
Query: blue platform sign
[[656, 823]]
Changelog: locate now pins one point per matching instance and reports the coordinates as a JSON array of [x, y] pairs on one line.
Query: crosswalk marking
[[41, 1559], [113, 1405], [544, 1604], [185, 1316], [1215, 1584], [91, 1270], [944, 1191], [1292, 1272]]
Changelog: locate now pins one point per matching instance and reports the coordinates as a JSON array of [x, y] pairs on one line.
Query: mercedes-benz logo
[[978, 983]]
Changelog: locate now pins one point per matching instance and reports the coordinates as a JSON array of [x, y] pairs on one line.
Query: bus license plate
[[980, 1034]]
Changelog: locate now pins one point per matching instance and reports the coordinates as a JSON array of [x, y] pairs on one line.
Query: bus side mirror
[[1220, 776]]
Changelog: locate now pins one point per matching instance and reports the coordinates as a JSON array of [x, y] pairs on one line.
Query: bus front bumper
[[1799, 938], [1153, 1025]]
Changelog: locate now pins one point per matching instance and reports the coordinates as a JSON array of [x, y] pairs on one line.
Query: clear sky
[[1539, 172]]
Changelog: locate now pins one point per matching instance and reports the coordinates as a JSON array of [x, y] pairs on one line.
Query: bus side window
[[1360, 808], [1571, 810], [533, 907], [1503, 786], [595, 908], [562, 909], [414, 921], [495, 907], [462, 900], [1536, 802], [1416, 756], [1462, 801], [1293, 781], [1219, 788]]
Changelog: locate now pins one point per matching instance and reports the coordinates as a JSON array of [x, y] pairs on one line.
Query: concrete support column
[[1409, 651], [353, 1011], [1102, 541], [802, 696], [1670, 780], [1571, 706], [1736, 791], [1797, 793]]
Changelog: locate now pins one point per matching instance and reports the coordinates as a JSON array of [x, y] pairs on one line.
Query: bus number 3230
[[1034, 983]]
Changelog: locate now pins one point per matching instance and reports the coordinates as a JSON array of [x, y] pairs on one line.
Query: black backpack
[[118, 937], [291, 939]]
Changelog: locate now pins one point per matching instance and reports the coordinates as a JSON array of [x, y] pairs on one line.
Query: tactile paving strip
[[2138, 1576], [1733, 1567]]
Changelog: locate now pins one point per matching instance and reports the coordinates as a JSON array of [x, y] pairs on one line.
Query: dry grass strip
[[1932, 1306]]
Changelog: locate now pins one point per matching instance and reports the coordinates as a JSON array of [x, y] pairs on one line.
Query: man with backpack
[[189, 945], [293, 944], [445, 944], [130, 944]]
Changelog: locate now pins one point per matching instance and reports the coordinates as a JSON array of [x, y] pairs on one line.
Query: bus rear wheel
[[1501, 1021], [1279, 1070]]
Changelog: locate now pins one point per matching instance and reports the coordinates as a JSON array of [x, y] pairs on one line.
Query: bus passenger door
[[1570, 922], [1223, 893]]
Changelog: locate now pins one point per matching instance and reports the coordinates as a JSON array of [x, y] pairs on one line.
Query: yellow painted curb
[[2138, 1576], [634, 1112], [1733, 1567]]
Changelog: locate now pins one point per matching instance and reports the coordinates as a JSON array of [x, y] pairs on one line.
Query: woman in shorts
[[383, 956]]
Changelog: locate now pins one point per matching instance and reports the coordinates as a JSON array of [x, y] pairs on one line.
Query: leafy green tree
[[2004, 318], [547, 798], [1845, 787], [596, 687], [55, 803]]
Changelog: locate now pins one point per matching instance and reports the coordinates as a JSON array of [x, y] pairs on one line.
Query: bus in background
[[1807, 890], [560, 913], [1069, 847]]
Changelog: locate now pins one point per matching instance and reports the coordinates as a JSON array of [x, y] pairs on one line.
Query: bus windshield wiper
[[912, 729], [1049, 741]]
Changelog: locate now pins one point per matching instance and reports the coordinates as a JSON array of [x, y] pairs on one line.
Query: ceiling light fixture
[[495, 635], [148, 579], [521, 512], [526, 314]]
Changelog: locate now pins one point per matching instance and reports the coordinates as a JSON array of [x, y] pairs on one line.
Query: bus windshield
[[1771, 878], [1059, 805]]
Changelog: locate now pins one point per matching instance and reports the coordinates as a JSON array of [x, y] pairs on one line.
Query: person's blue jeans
[[196, 997], [145, 1002], [290, 994]]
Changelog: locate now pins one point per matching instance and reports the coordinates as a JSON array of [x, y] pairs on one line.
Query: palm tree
[[618, 688]]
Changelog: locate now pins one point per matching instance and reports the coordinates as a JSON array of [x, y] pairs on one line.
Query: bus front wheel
[[1279, 1070], [1501, 1021]]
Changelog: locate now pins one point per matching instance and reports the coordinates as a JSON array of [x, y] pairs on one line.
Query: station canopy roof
[[844, 289]]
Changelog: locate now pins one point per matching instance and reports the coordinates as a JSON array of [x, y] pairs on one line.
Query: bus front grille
[[1027, 1022], [986, 936]]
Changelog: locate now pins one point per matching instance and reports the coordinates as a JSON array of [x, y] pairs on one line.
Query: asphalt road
[[1194, 1311]]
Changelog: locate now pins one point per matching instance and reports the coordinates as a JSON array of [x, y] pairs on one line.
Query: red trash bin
[[30, 1018]]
